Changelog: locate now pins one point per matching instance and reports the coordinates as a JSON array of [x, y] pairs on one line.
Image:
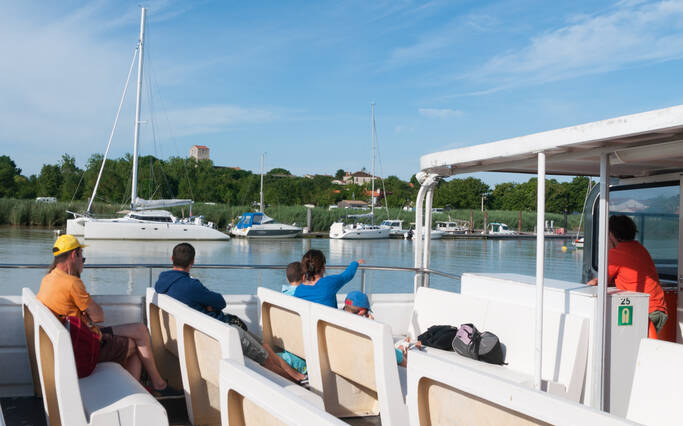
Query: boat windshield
[[655, 210]]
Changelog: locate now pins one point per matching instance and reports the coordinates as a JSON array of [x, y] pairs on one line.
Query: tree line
[[203, 182]]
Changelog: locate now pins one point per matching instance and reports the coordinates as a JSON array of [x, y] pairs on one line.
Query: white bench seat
[[191, 345], [656, 391], [565, 338], [108, 396], [248, 398], [444, 392], [357, 362]]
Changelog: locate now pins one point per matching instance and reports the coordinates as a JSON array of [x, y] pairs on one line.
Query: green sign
[[625, 315]]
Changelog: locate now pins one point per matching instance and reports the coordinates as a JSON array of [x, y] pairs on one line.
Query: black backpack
[[490, 349], [438, 336]]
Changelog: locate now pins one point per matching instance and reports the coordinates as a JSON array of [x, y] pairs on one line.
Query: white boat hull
[[340, 232], [435, 235], [125, 229], [267, 231]]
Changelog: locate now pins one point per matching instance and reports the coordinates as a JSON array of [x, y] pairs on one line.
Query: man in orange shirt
[[63, 292], [631, 268]]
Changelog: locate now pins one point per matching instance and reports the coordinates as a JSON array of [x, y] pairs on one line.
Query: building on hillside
[[375, 197], [358, 178], [199, 152], [352, 204]]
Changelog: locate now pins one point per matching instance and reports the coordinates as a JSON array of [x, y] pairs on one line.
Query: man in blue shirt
[[178, 284]]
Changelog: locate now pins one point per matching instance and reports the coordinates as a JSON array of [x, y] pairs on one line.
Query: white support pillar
[[598, 362], [417, 236], [540, 255], [427, 244]]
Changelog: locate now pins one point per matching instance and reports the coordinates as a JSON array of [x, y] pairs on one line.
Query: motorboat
[[436, 234], [456, 227], [395, 226], [578, 243], [357, 230], [145, 219], [495, 228], [259, 225]]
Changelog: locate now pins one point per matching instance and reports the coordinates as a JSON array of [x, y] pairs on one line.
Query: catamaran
[[362, 231], [145, 220]]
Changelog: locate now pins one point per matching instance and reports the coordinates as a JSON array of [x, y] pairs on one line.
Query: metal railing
[[152, 266]]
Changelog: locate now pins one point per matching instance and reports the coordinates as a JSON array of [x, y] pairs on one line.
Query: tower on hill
[[199, 152]]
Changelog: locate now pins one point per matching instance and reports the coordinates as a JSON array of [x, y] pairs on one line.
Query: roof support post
[[417, 236], [427, 232], [423, 217], [598, 362], [540, 254]]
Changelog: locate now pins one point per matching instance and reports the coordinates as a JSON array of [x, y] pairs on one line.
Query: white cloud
[[629, 34], [216, 118], [440, 113], [62, 77]]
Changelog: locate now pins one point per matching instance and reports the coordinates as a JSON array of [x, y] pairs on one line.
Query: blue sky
[[295, 79]]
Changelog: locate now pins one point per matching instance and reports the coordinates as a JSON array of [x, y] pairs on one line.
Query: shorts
[[251, 346], [113, 348], [658, 319]]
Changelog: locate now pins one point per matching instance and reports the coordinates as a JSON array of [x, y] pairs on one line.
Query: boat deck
[[28, 411]]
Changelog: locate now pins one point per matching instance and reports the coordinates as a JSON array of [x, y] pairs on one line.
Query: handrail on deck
[[152, 266]]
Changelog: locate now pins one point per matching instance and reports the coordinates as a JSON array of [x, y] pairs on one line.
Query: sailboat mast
[[372, 197], [134, 188], [261, 195]]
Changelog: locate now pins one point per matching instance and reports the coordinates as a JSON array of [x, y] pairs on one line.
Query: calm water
[[24, 245]]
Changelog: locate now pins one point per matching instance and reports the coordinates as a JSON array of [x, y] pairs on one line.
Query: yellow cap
[[66, 243]]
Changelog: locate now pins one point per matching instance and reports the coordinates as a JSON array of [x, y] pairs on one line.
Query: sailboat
[[258, 225], [362, 231], [145, 220]]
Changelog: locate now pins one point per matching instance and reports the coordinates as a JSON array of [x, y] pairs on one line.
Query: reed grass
[[33, 213]]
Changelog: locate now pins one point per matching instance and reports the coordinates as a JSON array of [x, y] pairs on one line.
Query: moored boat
[[258, 225], [144, 221]]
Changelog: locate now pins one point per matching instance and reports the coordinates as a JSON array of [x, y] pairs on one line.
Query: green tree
[[279, 171], [49, 181], [340, 174], [71, 179], [460, 193], [8, 172], [26, 187]]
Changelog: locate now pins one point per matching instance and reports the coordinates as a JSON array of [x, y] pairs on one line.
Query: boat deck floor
[[28, 411]]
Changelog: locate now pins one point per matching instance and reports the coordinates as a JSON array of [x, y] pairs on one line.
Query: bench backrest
[[565, 336], [247, 398], [357, 364], [286, 325], [443, 392], [56, 365], [190, 345], [30, 327], [656, 391]]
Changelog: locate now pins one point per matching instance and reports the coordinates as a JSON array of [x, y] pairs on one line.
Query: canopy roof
[[641, 144]]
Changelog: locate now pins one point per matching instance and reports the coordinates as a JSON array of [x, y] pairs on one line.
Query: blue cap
[[358, 299]]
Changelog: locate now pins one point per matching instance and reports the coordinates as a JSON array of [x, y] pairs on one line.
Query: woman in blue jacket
[[318, 288]]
